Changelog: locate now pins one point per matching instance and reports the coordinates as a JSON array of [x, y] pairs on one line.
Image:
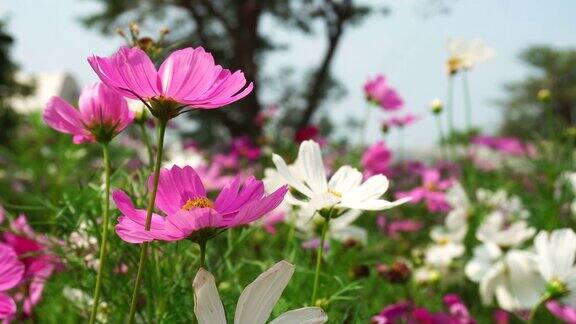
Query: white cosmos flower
[[340, 228], [469, 53], [344, 190], [448, 246], [461, 207], [511, 278], [256, 301], [556, 253], [499, 229], [177, 155]]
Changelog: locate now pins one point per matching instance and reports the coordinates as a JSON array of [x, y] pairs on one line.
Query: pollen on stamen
[[197, 202], [334, 192]]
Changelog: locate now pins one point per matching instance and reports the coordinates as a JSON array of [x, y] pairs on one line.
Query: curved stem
[[149, 210], [104, 238], [449, 108], [319, 255], [146, 139]]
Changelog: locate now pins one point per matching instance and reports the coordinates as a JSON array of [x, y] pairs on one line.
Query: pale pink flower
[[11, 273], [377, 159], [243, 147], [400, 121], [432, 191], [102, 115], [378, 91], [182, 198], [187, 78], [506, 145]]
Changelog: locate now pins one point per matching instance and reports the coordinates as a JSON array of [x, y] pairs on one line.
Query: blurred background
[[309, 58]]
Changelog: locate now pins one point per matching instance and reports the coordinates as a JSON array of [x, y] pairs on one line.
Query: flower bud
[[544, 95], [398, 272], [436, 106]]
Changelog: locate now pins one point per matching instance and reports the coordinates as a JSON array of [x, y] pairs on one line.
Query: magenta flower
[[377, 159], [32, 251], [506, 145], [564, 313], [187, 78], [310, 132], [432, 191], [400, 121], [11, 273], [189, 212], [244, 148], [378, 91], [212, 176], [103, 114]]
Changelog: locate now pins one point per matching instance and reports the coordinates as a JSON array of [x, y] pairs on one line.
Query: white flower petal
[[307, 315], [290, 179], [350, 232], [345, 179], [207, 305], [258, 299], [374, 204], [372, 188], [313, 166]]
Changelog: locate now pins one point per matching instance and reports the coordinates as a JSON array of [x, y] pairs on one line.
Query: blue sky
[[407, 47]]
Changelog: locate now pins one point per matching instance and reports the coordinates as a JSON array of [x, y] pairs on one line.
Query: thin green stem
[[467, 101], [534, 310], [441, 136], [449, 108], [104, 238], [202, 253], [146, 139], [319, 254], [149, 210]]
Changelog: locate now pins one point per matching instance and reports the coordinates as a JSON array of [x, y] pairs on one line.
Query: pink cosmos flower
[[103, 114], [32, 251], [564, 313], [266, 115], [376, 159], [432, 191], [11, 273], [244, 148], [507, 145], [188, 77], [212, 176], [400, 121], [182, 197], [406, 312], [378, 91]]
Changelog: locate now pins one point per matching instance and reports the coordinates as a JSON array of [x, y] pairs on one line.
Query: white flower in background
[[461, 207], [570, 179], [84, 303], [556, 253], [501, 201], [504, 231], [448, 245], [137, 107], [177, 155], [465, 54], [426, 274], [344, 190], [85, 245], [256, 301], [510, 277]]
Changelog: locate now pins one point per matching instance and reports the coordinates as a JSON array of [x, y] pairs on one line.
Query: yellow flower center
[[198, 202], [454, 64], [443, 241], [334, 193]]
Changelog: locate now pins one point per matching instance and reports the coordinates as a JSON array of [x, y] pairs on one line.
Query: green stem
[[202, 253], [536, 308], [449, 108], [319, 255], [441, 136], [104, 241], [149, 210], [146, 139], [467, 101]]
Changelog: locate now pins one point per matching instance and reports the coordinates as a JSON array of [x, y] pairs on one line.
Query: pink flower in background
[[182, 197], [403, 226], [266, 115], [212, 176], [564, 313], [500, 316], [187, 77], [507, 145], [33, 251], [314, 243], [310, 132], [378, 91], [377, 159], [272, 219], [400, 121], [244, 148], [11, 273], [103, 114], [457, 310], [432, 191], [406, 312], [226, 161]]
